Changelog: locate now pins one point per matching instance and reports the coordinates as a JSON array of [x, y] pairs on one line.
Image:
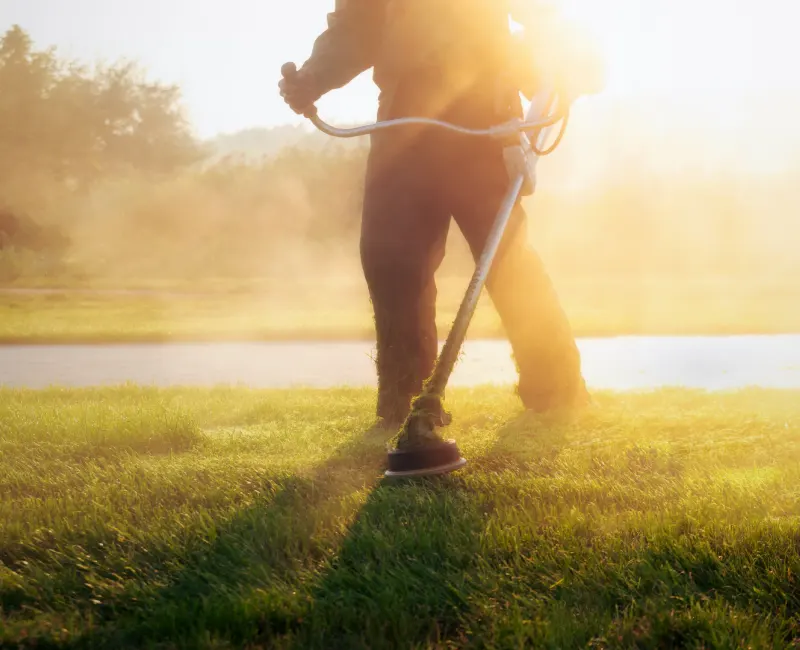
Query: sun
[[617, 31], [712, 52]]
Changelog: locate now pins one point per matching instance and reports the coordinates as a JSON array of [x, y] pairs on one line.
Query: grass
[[340, 309], [216, 518]]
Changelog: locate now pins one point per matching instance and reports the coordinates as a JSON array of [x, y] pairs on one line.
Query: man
[[451, 60]]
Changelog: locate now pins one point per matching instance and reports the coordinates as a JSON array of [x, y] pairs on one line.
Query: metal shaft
[[455, 339]]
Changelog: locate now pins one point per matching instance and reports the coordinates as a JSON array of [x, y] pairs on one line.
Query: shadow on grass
[[412, 566], [323, 566], [244, 580], [403, 576]]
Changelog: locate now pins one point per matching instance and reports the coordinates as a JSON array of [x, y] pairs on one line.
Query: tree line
[[99, 158]]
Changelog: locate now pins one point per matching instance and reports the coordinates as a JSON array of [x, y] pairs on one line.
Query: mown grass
[[215, 518], [338, 308]]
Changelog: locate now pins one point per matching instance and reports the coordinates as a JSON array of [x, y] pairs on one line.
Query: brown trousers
[[416, 181]]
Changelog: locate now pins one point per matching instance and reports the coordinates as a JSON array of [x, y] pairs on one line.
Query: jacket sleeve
[[348, 46]]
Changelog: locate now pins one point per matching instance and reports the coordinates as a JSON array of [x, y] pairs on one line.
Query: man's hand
[[298, 89]]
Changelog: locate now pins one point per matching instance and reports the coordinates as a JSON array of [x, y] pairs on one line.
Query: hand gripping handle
[[288, 72]]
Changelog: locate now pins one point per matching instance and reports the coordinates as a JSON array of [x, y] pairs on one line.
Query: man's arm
[[348, 46]]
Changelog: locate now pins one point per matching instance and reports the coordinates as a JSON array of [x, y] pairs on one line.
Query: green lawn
[[218, 518]]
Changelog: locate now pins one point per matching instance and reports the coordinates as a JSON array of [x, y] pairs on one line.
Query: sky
[[226, 56]]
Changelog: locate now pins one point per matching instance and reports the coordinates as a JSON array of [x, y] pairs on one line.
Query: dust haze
[[648, 217]]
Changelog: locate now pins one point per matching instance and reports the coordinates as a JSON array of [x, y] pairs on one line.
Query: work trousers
[[417, 180]]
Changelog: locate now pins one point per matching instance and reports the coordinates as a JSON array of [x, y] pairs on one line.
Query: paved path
[[617, 363]]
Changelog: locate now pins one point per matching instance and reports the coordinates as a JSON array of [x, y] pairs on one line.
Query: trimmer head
[[419, 450], [440, 458]]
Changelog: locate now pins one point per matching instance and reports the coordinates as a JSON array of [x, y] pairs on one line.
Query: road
[[625, 363]]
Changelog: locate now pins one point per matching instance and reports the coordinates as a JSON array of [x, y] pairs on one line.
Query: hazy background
[[675, 193]]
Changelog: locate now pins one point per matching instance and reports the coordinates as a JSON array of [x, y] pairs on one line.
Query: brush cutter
[[419, 450]]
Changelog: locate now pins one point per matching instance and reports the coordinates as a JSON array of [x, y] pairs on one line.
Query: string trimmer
[[419, 450]]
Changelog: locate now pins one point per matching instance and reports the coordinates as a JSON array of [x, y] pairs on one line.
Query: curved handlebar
[[500, 131], [511, 127]]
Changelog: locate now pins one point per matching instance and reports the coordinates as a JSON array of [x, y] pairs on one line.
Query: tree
[[73, 124]]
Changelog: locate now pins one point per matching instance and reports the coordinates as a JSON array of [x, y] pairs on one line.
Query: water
[[625, 363]]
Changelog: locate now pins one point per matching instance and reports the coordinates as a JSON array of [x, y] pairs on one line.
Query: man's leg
[[540, 334], [403, 237]]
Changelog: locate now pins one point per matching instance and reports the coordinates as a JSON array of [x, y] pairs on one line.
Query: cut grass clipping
[[134, 517]]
